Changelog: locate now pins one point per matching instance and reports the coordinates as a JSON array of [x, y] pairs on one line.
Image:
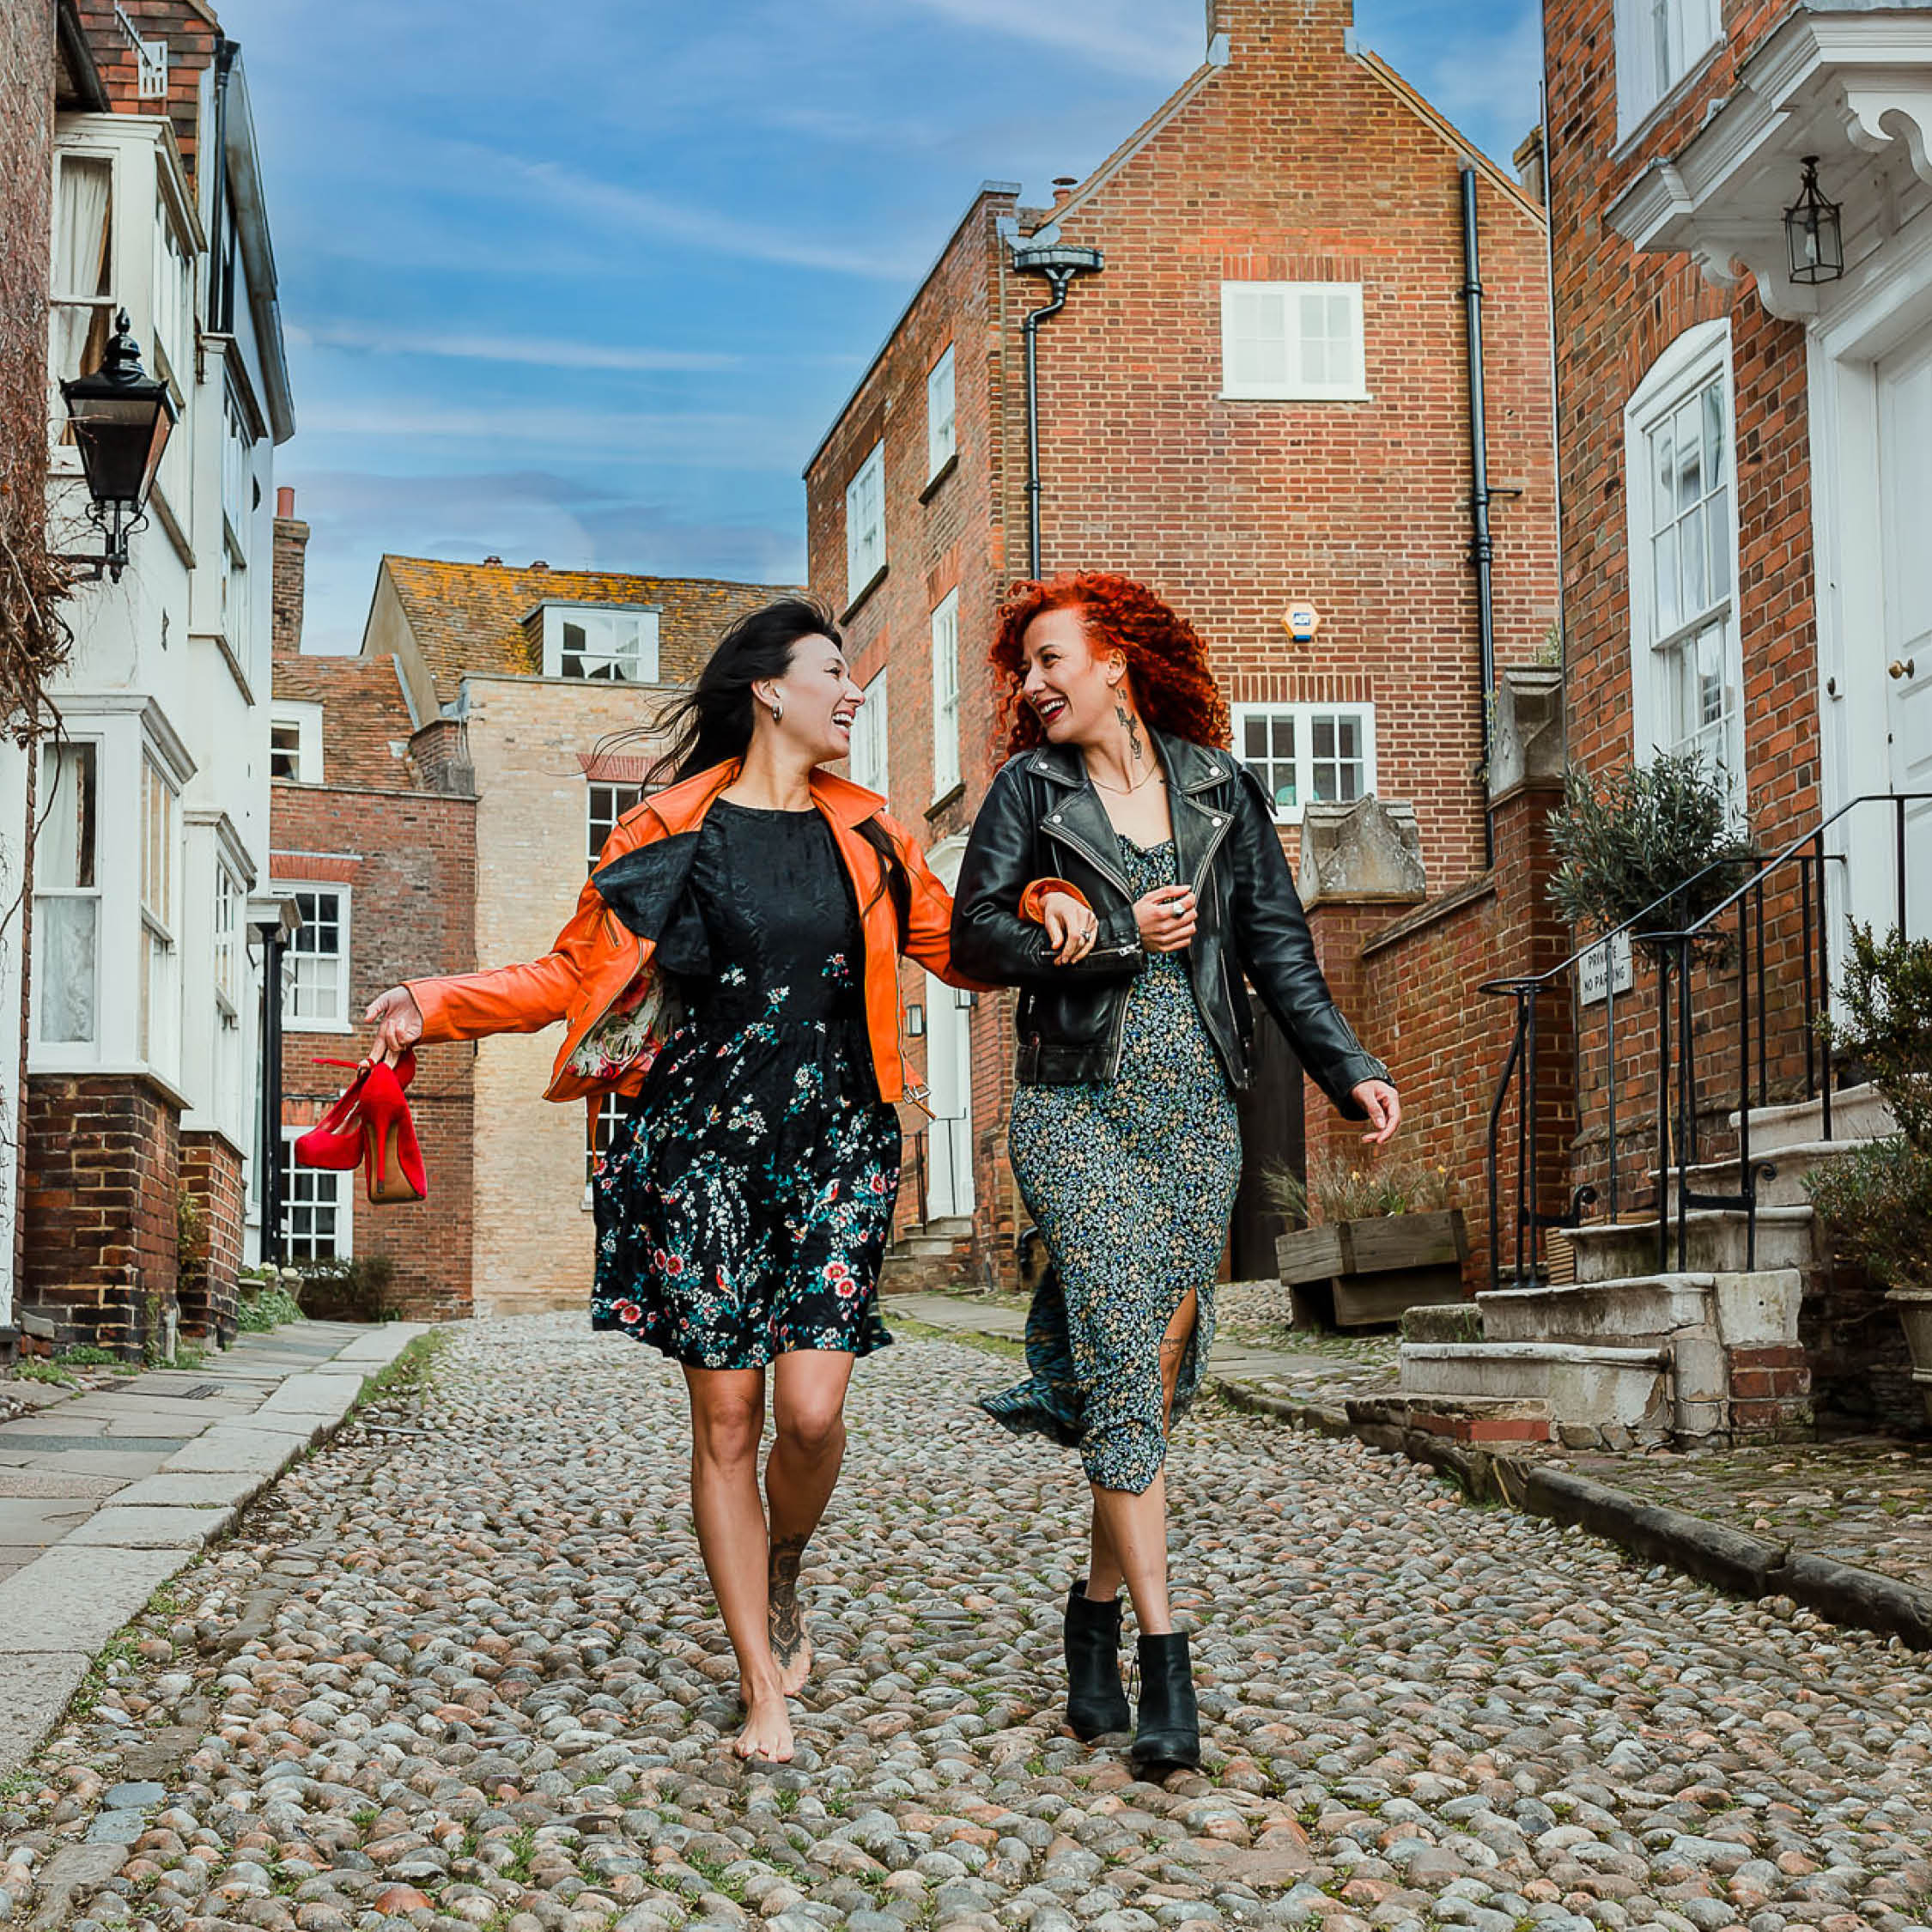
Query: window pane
[[1668, 606], [1255, 737], [1691, 557], [64, 850], [1718, 544], [1713, 436], [1323, 730], [64, 994], [1663, 468], [1285, 738]]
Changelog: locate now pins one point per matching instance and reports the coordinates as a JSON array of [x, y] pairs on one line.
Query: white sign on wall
[[1604, 969]]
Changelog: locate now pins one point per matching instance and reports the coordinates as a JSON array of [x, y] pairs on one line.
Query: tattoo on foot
[[781, 1585]]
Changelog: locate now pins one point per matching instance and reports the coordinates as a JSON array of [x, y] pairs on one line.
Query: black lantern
[[1813, 232], [120, 417]]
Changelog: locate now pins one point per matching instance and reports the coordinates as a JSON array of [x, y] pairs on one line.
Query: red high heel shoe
[[369, 1126]]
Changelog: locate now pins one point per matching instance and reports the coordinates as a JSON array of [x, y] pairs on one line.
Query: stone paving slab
[[124, 1464], [54, 1482], [33, 1692], [41, 1519], [134, 1528], [238, 1447], [74, 1598], [197, 1491]]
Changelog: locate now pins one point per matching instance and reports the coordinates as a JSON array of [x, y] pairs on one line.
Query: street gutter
[[1729, 1559]]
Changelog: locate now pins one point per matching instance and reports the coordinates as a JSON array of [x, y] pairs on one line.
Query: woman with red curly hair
[[1123, 873]]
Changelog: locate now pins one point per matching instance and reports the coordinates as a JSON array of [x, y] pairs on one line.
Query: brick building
[[509, 680], [151, 803], [1261, 399], [373, 838]]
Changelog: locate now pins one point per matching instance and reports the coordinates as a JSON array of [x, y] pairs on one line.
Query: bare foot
[[791, 1648], [767, 1736]]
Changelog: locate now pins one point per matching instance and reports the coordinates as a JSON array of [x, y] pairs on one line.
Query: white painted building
[[153, 794]]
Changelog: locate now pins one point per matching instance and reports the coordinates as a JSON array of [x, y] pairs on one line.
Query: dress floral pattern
[[1131, 1182], [744, 1201]]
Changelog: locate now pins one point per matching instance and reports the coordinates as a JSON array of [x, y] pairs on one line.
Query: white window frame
[[865, 525], [870, 758], [293, 1021], [1646, 71], [599, 824], [93, 895], [158, 984], [1698, 359], [229, 943], [1304, 717], [942, 440], [945, 696], [602, 660], [337, 1184], [602, 1124], [1294, 385], [67, 293], [306, 721]]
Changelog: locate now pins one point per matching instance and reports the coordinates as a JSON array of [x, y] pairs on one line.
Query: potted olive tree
[[1376, 1239], [1877, 1199]]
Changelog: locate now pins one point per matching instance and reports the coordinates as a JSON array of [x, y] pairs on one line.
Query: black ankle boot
[[1167, 1737], [1095, 1701]]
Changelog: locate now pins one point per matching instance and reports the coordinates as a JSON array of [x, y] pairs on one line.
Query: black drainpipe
[[1481, 550], [221, 313], [268, 1129], [1060, 265]]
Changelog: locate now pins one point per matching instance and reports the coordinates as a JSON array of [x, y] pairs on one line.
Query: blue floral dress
[[1131, 1181], [745, 1200]]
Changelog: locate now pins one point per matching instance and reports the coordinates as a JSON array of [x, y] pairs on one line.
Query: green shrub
[[268, 1309], [1641, 832], [1878, 1199], [348, 1289]]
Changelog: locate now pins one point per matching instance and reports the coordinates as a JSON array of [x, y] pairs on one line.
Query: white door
[[1905, 452], [948, 1072]]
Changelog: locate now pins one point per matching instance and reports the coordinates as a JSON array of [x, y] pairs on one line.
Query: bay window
[[67, 896]]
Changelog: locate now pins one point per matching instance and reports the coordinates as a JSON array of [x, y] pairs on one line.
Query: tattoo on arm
[[781, 1585]]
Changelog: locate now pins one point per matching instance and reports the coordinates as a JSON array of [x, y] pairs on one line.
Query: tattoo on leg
[[781, 1584]]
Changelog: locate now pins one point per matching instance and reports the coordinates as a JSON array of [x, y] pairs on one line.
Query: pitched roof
[[470, 617], [364, 714]]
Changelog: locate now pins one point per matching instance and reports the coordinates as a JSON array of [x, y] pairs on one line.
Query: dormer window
[[601, 640]]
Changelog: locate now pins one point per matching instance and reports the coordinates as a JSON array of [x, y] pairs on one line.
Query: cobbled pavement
[[459, 1669]]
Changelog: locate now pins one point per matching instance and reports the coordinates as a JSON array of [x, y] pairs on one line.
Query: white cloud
[[1159, 39], [543, 352]]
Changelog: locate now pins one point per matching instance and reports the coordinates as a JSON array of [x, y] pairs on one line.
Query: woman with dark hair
[[732, 971], [1123, 873]]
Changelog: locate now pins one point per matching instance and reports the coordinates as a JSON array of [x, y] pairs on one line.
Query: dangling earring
[[777, 711]]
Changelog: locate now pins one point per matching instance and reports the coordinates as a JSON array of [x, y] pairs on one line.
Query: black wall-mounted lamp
[[121, 418], [1813, 233]]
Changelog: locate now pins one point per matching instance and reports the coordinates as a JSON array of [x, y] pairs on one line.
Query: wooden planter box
[[1356, 1274]]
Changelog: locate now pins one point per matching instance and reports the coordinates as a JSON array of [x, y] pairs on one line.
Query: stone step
[[1783, 1186], [1758, 1310], [1586, 1388], [922, 1247], [1858, 1113], [1621, 1313], [1716, 1243], [957, 1226], [1470, 1418]]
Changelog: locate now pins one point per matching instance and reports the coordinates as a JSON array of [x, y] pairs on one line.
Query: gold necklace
[[1126, 791]]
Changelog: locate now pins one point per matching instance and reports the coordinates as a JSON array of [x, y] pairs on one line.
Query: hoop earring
[[777, 711]]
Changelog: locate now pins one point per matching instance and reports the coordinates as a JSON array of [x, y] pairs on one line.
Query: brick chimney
[[291, 547]]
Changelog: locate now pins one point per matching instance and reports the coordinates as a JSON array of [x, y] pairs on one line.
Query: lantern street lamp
[[120, 417], [1813, 233]]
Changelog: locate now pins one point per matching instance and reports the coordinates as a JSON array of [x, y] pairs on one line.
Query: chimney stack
[[291, 547]]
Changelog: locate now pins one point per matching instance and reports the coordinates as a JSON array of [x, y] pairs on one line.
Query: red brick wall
[[1409, 982], [103, 1172], [209, 1287], [290, 576], [408, 860], [1615, 312], [191, 35], [1296, 162]]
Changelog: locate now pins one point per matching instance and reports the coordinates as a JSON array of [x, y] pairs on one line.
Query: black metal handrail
[[1526, 989], [1675, 952]]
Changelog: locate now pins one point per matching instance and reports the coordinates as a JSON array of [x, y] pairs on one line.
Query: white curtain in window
[[82, 247]]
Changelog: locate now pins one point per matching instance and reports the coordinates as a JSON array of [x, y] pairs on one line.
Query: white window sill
[[1295, 396], [1632, 137], [316, 1026]]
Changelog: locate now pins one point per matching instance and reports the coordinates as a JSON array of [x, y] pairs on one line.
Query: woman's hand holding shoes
[[398, 1022]]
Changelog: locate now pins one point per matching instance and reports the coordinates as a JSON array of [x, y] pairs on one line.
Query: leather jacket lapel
[[1075, 817]]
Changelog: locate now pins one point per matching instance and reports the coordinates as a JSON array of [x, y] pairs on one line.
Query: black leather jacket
[[1042, 818]]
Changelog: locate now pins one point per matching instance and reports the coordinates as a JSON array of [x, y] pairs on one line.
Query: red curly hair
[[1165, 656]]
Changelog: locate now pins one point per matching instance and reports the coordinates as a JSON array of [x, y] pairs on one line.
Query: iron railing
[[1804, 864]]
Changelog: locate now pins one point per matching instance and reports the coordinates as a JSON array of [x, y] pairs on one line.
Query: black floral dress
[[745, 1200], [1132, 1182]]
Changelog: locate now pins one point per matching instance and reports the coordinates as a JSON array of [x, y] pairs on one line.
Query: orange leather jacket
[[598, 964]]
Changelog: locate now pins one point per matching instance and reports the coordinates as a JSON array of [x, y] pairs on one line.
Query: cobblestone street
[[459, 1668]]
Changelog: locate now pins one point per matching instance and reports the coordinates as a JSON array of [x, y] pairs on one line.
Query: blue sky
[[588, 283]]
